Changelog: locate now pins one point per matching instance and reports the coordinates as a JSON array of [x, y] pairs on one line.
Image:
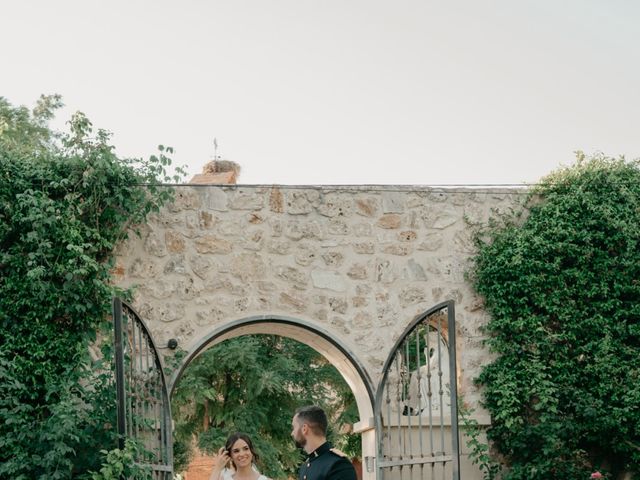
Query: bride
[[235, 461]]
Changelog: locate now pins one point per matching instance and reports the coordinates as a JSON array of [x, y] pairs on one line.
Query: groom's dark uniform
[[324, 464]]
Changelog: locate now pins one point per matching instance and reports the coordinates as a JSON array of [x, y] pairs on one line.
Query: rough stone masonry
[[359, 261]]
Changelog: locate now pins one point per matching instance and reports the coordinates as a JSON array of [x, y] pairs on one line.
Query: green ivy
[[119, 464], [479, 451], [66, 201], [561, 281]]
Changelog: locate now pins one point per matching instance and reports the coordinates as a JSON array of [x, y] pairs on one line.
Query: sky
[[310, 92]]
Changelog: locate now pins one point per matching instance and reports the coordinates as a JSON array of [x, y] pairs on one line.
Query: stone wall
[[359, 262]]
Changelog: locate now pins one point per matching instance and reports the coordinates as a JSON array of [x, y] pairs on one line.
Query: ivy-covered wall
[[66, 201], [562, 286]]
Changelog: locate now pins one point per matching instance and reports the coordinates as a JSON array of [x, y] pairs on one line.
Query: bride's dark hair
[[233, 438]]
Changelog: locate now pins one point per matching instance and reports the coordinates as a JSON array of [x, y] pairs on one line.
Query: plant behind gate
[[66, 200], [562, 285]]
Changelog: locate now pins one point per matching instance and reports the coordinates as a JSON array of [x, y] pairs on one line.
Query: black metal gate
[[144, 412], [416, 410]]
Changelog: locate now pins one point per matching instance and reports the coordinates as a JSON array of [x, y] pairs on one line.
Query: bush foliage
[[562, 285], [66, 200]]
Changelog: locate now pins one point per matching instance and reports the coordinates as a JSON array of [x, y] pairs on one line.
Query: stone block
[[357, 271], [387, 315], [293, 301], [191, 224], [170, 312], [439, 218], [175, 265], [305, 255], [474, 214], [279, 246], [393, 202], [301, 202], [359, 302], [293, 276], [364, 248], [215, 199], [246, 266], [185, 199], [276, 200], [431, 242], [414, 271], [297, 230], [154, 245], [390, 221], [399, 249], [407, 236], [246, 201], [206, 220], [209, 317], [277, 226], [332, 259], [265, 286], [382, 296], [328, 280], [319, 299], [255, 218], [362, 230], [253, 239], [338, 304], [213, 244], [241, 305], [140, 268], [338, 227], [187, 289], [463, 242], [335, 205], [229, 228], [200, 265], [174, 241], [370, 343], [384, 271], [160, 288], [367, 207], [321, 314], [340, 324], [437, 196], [362, 320]]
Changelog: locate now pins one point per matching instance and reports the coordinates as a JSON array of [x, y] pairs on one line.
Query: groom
[[309, 431]]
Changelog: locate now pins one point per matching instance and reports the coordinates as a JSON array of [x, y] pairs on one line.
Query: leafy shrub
[[66, 201], [562, 285], [119, 464]]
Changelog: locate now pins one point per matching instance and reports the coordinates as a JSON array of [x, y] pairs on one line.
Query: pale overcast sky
[[340, 91]]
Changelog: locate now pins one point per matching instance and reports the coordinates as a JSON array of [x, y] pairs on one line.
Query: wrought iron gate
[[416, 410], [144, 412]]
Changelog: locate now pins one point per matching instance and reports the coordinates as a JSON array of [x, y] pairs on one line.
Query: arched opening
[[332, 349], [416, 402]]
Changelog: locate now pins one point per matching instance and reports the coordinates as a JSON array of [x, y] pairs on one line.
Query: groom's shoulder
[[339, 453]]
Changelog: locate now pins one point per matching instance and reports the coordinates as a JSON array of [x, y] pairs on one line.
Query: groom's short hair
[[315, 417]]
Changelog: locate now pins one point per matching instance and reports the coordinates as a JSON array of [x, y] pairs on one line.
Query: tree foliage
[[562, 285], [66, 200], [253, 384]]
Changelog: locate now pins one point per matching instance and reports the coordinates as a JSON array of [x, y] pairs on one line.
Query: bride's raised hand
[[221, 460]]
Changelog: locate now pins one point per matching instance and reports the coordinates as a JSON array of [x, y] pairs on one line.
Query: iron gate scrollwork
[[416, 410], [144, 411]]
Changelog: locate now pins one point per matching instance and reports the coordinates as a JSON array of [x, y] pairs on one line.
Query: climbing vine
[[562, 284], [66, 201]]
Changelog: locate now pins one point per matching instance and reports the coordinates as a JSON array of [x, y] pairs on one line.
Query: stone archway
[[354, 263], [337, 353]]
